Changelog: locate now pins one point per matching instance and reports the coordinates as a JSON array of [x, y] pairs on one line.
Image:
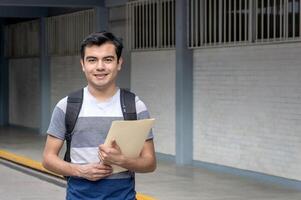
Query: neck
[[102, 94]]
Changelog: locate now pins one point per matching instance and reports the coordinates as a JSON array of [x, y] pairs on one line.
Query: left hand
[[111, 154]]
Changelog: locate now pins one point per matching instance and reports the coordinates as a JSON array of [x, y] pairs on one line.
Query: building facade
[[222, 77]]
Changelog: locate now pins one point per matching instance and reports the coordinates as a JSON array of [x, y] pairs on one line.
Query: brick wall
[[24, 92], [66, 76], [153, 79], [247, 108], [117, 25]]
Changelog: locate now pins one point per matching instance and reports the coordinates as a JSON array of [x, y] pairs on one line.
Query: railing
[[241, 22], [217, 22], [22, 39], [64, 35], [151, 24], [66, 32], [277, 20]]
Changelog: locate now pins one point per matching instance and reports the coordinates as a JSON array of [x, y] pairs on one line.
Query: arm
[[54, 163], [146, 162]]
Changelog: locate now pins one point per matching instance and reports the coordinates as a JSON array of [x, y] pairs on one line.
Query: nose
[[100, 65]]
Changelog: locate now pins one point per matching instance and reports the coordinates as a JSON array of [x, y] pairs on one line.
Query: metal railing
[[241, 22], [217, 22], [64, 35], [151, 24], [22, 39], [277, 20], [65, 32]]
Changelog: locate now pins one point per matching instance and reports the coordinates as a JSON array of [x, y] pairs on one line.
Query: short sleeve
[[142, 113], [57, 123]]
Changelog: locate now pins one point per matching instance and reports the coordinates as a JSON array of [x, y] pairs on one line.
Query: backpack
[[74, 104]]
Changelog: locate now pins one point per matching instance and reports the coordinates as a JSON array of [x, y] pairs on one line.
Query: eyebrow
[[108, 57], [88, 57]]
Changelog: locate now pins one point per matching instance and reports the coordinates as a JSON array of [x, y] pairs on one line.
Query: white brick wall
[[24, 92], [153, 79], [66, 76], [117, 26], [247, 108]]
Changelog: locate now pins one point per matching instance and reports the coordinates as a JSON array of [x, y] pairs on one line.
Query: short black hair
[[99, 38]]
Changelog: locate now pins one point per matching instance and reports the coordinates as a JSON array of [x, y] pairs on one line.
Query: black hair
[[99, 38]]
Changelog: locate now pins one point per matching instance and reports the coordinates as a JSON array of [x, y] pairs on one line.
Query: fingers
[[95, 171], [110, 154], [115, 145], [104, 157]]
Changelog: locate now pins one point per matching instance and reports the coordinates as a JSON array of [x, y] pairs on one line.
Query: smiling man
[[89, 172]]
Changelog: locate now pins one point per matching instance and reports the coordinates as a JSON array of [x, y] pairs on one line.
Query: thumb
[[113, 143]]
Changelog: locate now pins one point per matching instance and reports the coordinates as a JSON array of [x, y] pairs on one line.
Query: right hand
[[94, 171]]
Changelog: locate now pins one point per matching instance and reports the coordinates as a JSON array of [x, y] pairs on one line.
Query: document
[[130, 136]]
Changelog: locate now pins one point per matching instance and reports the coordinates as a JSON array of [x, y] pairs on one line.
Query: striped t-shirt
[[92, 126]]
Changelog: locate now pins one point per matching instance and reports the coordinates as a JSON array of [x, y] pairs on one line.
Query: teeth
[[100, 76]]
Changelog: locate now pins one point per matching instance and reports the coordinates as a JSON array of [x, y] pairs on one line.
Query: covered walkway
[[168, 182]]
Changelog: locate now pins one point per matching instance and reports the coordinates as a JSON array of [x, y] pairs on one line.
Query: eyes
[[106, 60], [91, 60]]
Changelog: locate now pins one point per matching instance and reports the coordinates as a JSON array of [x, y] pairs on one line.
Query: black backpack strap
[[74, 104], [128, 104]]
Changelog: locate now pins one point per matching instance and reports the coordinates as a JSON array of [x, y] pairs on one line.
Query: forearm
[[141, 164], [57, 165], [52, 162], [146, 162]]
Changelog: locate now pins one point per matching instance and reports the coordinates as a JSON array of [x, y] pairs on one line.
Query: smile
[[100, 76]]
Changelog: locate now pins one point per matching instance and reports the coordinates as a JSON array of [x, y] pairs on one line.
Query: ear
[[82, 64], [120, 62]]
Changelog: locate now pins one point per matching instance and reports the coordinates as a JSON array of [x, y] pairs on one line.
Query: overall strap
[[128, 104], [74, 104]]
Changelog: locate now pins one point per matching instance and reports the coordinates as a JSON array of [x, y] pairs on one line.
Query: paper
[[130, 136]]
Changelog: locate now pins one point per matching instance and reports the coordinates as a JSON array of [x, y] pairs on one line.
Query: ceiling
[[14, 11]]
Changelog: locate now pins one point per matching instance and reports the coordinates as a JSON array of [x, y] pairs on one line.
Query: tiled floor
[[168, 182]]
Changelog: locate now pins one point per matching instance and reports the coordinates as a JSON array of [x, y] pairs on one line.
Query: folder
[[130, 135]]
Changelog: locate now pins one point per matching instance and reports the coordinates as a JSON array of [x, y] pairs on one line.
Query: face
[[101, 66]]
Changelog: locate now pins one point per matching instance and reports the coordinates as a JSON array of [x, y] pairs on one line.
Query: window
[[65, 32], [151, 24], [228, 22], [25, 44], [213, 22], [277, 19]]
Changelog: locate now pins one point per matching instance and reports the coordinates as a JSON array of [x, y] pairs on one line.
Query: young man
[[90, 173]]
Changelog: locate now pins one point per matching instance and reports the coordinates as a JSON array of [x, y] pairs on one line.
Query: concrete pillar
[[101, 18], [184, 74], [44, 79], [4, 87]]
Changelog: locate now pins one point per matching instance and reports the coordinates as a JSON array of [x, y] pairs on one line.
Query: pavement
[[168, 182]]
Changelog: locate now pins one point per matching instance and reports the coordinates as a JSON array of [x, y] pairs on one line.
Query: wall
[[247, 108], [65, 70], [66, 76], [24, 92], [153, 79], [117, 25]]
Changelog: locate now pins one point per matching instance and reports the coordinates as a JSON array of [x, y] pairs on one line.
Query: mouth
[[100, 76]]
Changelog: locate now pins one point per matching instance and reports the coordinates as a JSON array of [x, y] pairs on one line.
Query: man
[[90, 174]]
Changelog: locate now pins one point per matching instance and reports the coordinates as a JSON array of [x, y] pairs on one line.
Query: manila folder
[[130, 136]]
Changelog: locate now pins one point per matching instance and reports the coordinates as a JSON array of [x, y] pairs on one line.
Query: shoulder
[[140, 105], [62, 104]]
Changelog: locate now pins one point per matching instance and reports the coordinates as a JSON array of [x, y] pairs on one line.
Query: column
[[184, 70]]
